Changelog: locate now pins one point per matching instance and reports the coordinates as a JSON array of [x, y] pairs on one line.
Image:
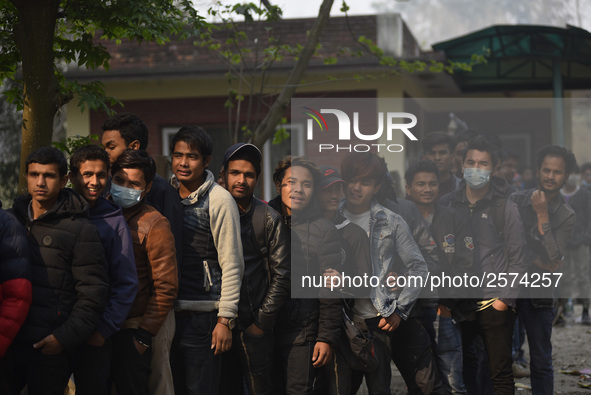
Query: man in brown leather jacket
[[153, 247]]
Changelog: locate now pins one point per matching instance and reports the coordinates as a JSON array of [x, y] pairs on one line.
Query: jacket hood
[[68, 203], [104, 209]]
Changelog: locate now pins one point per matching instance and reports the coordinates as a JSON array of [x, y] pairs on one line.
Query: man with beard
[[548, 221], [265, 285]]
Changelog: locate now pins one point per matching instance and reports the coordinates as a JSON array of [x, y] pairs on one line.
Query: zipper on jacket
[[207, 283]]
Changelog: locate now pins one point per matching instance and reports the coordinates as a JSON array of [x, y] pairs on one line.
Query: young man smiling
[[454, 247], [211, 269], [89, 169], [549, 221], [307, 328], [70, 285], [266, 281]]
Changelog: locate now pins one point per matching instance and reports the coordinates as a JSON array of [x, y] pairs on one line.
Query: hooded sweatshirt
[[116, 239]]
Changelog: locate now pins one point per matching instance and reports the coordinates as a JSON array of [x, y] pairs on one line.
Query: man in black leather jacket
[[309, 325], [266, 281]]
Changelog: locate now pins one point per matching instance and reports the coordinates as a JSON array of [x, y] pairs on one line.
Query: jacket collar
[[68, 203], [200, 192], [498, 189]]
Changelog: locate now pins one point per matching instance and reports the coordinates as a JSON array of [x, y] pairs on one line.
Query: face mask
[[125, 197], [573, 180], [476, 178]]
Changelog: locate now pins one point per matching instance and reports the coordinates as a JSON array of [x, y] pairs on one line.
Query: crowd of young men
[[129, 282]]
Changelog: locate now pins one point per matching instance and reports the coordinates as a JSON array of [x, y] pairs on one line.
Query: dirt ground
[[571, 350]]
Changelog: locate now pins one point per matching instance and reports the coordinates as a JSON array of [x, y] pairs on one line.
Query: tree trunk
[[266, 128], [34, 36]]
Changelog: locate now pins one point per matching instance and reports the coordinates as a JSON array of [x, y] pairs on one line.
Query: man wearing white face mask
[[153, 248], [499, 248]]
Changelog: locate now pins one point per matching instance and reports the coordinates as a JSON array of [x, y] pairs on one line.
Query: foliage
[[72, 143], [248, 42], [79, 23], [10, 149]]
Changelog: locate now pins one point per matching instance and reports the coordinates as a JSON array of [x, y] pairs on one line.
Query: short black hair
[[422, 166], [136, 159], [280, 170], [47, 156], [435, 138], [300, 161], [585, 166], [86, 153], [481, 143], [131, 128], [195, 137], [554, 150]]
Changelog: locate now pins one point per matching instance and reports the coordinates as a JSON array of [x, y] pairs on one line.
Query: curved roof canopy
[[523, 57]]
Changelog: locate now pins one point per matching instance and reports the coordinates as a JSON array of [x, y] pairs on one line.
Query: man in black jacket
[[549, 222], [455, 250], [265, 284], [308, 328], [499, 247], [70, 284]]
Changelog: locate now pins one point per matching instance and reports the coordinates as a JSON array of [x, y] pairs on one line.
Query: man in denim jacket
[[400, 335]]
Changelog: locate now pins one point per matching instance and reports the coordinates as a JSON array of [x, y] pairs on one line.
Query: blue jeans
[[446, 340], [195, 369], [538, 325]]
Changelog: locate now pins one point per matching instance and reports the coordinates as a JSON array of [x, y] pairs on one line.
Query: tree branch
[[266, 128]]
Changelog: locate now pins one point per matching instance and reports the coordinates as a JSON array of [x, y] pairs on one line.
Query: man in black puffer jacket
[[70, 285], [309, 324]]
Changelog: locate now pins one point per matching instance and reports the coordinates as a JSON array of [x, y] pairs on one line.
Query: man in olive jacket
[[70, 285]]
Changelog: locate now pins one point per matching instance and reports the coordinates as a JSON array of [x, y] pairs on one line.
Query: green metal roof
[[522, 57]]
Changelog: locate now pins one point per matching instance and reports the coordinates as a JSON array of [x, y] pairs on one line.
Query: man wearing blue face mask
[[499, 248], [155, 259]]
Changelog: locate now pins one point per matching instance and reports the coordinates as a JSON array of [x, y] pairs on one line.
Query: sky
[[432, 21]]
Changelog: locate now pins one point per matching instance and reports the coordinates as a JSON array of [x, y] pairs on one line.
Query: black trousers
[[496, 330], [248, 363], [92, 368], [293, 370], [129, 369], [413, 356], [43, 374]]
